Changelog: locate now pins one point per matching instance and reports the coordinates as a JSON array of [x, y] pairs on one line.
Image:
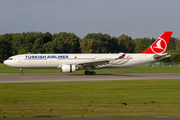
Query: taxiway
[[17, 78]]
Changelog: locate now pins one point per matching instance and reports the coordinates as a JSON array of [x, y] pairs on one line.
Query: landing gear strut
[[21, 71], [90, 73]]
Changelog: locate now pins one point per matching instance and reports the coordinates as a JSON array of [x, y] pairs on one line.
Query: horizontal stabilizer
[[159, 57]]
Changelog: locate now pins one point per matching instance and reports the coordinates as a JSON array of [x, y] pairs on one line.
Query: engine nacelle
[[68, 68]]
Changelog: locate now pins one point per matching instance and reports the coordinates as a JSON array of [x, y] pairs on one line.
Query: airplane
[[72, 62]]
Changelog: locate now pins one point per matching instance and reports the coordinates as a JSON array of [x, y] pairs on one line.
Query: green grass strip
[[132, 98]]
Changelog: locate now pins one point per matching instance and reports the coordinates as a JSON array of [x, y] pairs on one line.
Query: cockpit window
[[10, 59]]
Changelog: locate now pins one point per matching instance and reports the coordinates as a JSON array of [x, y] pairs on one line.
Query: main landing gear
[[22, 73], [90, 73]]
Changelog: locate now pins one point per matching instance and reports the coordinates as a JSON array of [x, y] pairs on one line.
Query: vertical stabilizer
[[160, 45]]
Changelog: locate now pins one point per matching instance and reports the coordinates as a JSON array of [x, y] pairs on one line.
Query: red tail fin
[[160, 45]]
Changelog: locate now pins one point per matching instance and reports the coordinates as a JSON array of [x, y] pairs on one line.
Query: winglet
[[160, 45], [122, 56]]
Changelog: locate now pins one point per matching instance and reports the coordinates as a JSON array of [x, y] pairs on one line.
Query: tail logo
[[159, 46]]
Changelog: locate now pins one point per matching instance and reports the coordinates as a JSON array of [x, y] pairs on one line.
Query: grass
[[137, 69], [91, 99]]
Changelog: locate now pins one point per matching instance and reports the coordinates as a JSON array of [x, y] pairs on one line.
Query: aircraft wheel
[[93, 73], [22, 73], [90, 73], [87, 73]]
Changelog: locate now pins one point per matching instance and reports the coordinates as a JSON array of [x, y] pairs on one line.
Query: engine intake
[[68, 68]]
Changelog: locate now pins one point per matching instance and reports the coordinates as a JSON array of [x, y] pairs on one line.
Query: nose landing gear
[[22, 73]]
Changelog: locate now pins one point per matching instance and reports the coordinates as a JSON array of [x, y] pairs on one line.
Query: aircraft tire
[[90, 73], [93, 73], [21, 73], [87, 73]]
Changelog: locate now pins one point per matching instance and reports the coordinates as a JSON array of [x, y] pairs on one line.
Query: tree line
[[38, 42]]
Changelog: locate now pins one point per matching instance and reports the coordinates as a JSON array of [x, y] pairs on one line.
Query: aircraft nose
[[5, 62]]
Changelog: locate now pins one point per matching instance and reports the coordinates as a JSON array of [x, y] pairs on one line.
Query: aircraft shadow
[[127, 75]]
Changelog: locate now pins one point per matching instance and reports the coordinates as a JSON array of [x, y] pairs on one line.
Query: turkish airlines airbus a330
[[73, 62]]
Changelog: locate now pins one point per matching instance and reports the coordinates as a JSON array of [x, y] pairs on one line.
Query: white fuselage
[[57, 60]]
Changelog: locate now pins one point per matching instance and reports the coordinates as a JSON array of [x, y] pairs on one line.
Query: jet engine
[[68, 68]]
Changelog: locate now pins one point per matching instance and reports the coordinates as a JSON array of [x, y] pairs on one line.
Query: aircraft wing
[[96, 62]]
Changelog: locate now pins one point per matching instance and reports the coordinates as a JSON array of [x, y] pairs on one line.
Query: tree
[[175, 58], [178, 47], [141, 44], [47, 37], [102, 43], [88, 46], [17, 42], [22, 51], [126, 44], [172, 45], [57, 45], [29, 39], [66, 43], [38, 45], [48, 48], [113, 45], [5, 49]]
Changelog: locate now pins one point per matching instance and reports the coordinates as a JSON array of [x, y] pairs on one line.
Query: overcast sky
[[135, 18]]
